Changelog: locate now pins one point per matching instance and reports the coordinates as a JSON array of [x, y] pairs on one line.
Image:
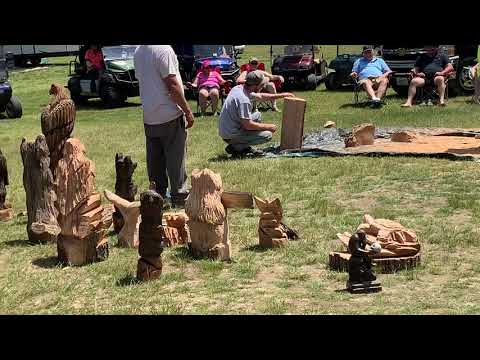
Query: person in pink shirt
[[208, 83]]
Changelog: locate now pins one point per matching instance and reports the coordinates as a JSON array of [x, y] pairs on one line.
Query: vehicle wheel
[[401, 90], [111, 96], [75, 91], [14, 108], [35, 61], [464, 81], [311, 82], [331, 82]]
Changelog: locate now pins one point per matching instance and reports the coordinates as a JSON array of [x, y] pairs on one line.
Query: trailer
[[23, 54]]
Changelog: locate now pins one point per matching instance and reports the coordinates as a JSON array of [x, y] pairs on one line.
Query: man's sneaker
[[229, 149]]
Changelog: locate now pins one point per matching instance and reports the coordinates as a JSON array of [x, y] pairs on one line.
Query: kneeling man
[[238, 126]]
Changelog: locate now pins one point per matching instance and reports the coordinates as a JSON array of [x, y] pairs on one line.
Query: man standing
[[238, 126], [165, 111], [372, 74], [432, 68]]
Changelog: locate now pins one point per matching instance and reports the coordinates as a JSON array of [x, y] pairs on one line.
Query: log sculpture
[[207, 217], [130, 215], [150, 247], [6, 212], [124, 186], [57, 121], [272, 232], [292, 123], [38, 182], [362, 134], [176, 230], [81, 219]]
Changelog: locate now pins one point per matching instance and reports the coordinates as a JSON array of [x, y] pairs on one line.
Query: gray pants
[[246, 138], [166, 150]]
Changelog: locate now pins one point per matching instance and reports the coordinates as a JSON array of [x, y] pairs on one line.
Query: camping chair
[[223, 92], [358, 90], [428, 93], [266, 104]]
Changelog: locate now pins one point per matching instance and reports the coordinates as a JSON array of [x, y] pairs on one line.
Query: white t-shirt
[[153, 63]]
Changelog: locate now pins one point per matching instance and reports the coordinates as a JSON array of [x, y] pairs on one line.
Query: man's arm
[[447, 70], [354, 72], [268, 96], [176, 93], [248, 124], [386, 69], [242, 78]]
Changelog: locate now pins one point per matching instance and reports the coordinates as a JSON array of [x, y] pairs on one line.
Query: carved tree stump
[[6, 212], [339, 261], [150, 247], [81, 216], [38, 182], [130, 212], [207, 216], [124, 186]]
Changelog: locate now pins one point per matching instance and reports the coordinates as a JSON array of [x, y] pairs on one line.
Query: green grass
[[320, 197]]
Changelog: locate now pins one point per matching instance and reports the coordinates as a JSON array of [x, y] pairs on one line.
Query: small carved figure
[[150, 237], [130, 215], [124, 186]]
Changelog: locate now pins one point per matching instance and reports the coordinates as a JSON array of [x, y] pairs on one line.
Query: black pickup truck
[[401, 60]]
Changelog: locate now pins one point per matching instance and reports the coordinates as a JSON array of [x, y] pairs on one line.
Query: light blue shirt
[[370, 68]]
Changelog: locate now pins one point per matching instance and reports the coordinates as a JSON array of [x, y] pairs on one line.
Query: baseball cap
[[367, 47], [252, 60], [255, 78]]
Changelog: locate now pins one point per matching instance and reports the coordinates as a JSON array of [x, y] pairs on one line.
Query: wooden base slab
[[339, 261]]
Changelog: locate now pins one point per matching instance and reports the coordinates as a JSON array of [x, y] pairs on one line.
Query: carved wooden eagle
[[58, 120]]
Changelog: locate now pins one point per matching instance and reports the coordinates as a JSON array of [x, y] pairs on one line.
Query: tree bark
[[38, 182]]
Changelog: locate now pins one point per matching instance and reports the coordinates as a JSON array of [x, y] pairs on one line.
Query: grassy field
[[320, 197]]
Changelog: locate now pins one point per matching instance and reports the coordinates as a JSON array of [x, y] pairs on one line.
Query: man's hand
[[439, 73], [354, 75], [189, 118], [272, 128]]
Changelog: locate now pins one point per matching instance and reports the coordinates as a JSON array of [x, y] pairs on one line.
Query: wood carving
[[292, 123], [57, 121], [207, 216], [176, 229], [124, 186], [151, 233], [6, 212], [80, 216], [38, 182], [272, 232], [130, 212], [362, 134]]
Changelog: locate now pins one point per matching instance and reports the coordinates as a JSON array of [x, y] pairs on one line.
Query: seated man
[[95, 65], [372, 73], [238, 126], [431, 68], [269, 87]]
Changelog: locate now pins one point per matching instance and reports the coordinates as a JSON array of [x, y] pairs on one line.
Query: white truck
[[34, 53]]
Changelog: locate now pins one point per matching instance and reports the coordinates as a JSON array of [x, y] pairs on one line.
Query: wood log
[[237, 199], [292, 123], [207, 216], [128, 235], [124, 186], [81, 218], [149, 266], [6, 211], [38, 182], [339, 261]]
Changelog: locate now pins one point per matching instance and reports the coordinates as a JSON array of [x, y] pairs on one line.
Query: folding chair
[[428, 94], [358, 90]]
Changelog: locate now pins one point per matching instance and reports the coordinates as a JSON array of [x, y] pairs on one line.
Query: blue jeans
[[245, 138]]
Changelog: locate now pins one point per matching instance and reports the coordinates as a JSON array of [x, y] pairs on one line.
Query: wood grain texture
[[292, 123]]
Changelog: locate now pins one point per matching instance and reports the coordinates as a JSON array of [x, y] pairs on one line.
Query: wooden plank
[[292, 123], [237, 199]]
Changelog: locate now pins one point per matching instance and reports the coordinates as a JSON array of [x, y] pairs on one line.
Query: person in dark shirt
[[431, 68]]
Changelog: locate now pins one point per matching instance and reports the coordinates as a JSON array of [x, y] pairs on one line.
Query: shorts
[[375, 82]]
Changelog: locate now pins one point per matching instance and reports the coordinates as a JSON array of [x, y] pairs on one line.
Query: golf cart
[[117, 83], [300, 65], [190, 58], [341, 67], [8, 103]]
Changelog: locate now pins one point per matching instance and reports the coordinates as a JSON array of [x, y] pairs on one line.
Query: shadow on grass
[[49, 262], [21, 243], [255, 248], [128, 280], [184, 253]]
